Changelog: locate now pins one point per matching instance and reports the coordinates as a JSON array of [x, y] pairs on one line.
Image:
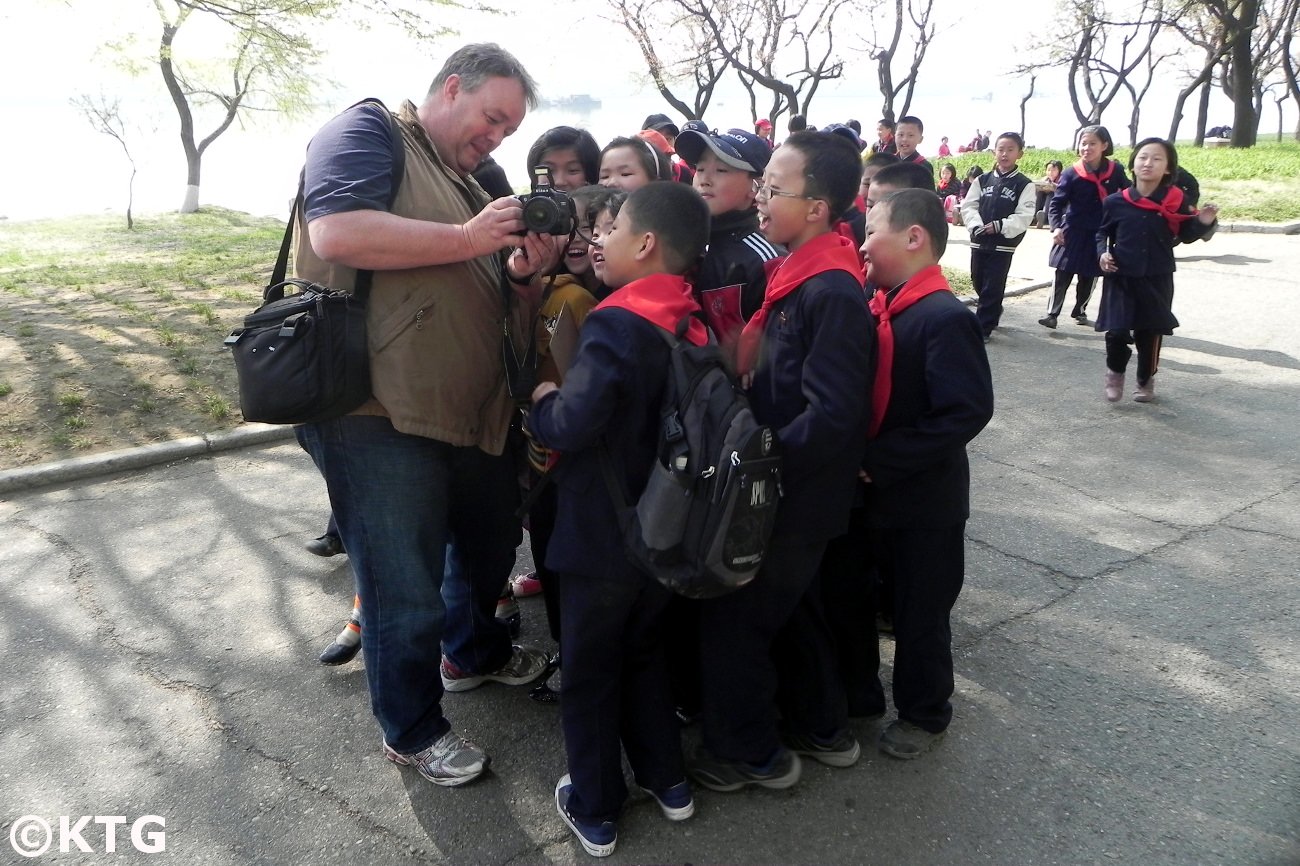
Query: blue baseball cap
[[845, 131], [738, 148]]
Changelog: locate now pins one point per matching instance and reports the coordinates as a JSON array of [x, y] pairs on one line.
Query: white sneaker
[[524, 666], [451, 761]]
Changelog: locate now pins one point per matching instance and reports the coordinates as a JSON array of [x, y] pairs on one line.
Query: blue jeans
[[411, 511]]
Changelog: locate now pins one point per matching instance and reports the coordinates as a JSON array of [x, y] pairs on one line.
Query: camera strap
[[521, 371]]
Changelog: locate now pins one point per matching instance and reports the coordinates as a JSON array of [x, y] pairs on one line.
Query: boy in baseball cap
[[731, 280]]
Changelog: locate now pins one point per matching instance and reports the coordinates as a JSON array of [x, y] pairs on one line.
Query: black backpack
[[702, 524]]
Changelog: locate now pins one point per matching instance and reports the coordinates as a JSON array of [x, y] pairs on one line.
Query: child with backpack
[[805, 357], [615, 690]]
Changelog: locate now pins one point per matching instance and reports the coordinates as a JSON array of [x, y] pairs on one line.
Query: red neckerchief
[[826, 252], [1097, 179], [924, 282], [663, 300], [1167, 207], [916, 158]]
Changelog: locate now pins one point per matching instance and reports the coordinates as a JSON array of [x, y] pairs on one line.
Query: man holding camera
[[419, 479]]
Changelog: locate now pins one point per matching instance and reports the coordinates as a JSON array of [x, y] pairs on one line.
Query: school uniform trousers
[[614, 696], [768, 644], [918, 500]]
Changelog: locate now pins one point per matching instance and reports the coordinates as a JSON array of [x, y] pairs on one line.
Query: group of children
[[873, 456], [851, 346], [1102, 224]]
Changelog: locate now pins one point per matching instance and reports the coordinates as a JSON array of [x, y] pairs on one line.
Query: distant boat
[[574, 102]]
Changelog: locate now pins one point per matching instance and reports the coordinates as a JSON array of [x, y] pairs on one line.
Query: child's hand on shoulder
[[543, 389], [1208, 214]]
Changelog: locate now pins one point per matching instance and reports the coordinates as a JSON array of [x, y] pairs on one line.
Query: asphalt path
[[1127, 649]]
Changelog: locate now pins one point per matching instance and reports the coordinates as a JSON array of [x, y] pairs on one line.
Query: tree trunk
[[1033, 80], [1245, 122], [130, 196], [1202, 115], [194, 163]]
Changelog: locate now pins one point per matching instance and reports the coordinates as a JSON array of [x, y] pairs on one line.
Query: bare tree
[[915, 17], [1197, 26], [785, 48], [1024, 101], [269, 62], [1290, 62], [1138, 95], [1094, 79], [700, 64], [780, 50], [105, 116]]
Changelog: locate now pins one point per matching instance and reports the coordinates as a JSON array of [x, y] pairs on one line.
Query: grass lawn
[[111, 338]]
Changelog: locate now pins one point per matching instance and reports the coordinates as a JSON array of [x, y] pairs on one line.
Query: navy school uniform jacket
[[942, 396], [1140, 239], [811, 385], [612, 392], [1076, 208]]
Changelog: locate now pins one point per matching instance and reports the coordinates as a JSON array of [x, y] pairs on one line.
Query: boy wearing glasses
[[731, 279], [804, 357]]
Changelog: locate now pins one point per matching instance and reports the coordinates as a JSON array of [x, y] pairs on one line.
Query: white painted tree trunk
[[191, 203]]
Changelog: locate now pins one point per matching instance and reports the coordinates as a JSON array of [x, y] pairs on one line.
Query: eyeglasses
[[763, 192]]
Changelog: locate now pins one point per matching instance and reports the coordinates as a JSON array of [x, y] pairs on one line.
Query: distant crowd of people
[[814, 265]]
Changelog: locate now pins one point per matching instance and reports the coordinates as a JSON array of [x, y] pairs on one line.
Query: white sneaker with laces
[[452, 760]]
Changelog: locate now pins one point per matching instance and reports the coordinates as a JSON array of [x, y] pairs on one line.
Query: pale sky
[[56, 164]]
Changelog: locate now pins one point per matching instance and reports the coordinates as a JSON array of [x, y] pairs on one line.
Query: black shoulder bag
[[301, 357]]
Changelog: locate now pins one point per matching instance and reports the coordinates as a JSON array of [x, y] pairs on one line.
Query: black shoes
[[325, 545], [1048, 321], [338, 654]]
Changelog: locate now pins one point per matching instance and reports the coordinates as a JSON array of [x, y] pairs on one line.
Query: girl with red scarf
[[1135, 249], [1074, 212]]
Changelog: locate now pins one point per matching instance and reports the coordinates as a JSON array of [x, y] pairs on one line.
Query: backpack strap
[[364, 278]]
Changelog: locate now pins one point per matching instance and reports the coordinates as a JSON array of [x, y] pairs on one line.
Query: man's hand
[[536, 254], [498, 225]]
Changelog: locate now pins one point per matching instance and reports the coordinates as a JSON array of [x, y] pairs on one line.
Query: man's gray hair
[[478, 62]]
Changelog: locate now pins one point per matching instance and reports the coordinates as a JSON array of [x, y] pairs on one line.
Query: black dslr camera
[[547, 211]]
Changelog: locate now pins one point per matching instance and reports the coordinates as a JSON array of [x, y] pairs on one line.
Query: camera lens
[[541, 215]]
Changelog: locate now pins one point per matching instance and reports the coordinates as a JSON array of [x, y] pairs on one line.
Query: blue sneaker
[[598, 840], [676, 802]]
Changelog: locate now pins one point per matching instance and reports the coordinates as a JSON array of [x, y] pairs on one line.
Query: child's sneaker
[[597, 839], [452, 760], [906, 741], [676, 802], [840, 751], [524, 666], [718, 774]]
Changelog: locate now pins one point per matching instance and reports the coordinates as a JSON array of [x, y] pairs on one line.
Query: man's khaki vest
[[435, 333]]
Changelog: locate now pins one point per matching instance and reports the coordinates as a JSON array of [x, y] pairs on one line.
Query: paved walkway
[[1127, 650]]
